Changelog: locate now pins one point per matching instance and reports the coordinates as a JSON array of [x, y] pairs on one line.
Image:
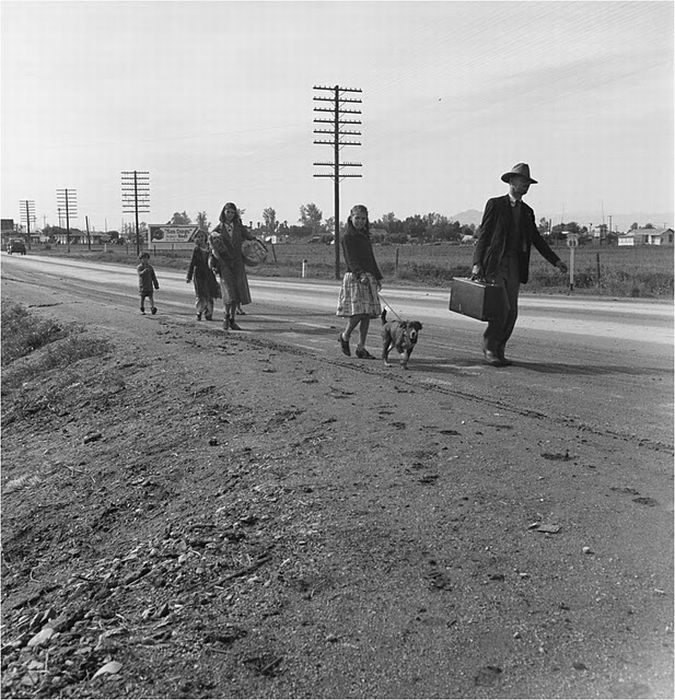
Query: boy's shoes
[[153, 311]]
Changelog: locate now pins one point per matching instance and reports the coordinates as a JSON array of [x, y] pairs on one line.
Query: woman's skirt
[[359, 298]]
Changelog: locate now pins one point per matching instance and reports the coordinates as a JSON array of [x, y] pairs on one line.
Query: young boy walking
[[147, 280]]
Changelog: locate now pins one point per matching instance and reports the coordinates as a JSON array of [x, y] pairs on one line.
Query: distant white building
[[647, 236]]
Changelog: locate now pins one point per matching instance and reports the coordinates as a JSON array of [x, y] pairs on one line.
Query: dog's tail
[[383, 316]]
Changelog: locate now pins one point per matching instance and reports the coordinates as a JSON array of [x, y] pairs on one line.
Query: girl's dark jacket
[[205, 283], [358, 252], [494, 233]]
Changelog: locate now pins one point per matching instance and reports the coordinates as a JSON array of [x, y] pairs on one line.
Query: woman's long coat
[[230, 264]]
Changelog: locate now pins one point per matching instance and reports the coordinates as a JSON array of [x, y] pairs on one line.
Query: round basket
[[254, 252]]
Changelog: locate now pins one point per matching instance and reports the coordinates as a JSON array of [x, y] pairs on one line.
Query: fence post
[[597, 269], [396, 263]]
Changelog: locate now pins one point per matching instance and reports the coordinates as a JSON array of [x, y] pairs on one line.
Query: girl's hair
[[230, 205], [360, 208]]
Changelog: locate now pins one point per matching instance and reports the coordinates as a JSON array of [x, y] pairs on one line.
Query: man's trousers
[[499, 331]]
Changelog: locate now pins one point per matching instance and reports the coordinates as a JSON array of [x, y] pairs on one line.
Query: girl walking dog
[[358, 301]]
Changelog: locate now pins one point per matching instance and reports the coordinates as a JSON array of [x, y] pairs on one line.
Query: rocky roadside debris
[[174, 531], [86, 629]]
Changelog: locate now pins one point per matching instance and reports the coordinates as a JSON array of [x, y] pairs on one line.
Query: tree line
[[312, 224], [422, 228]]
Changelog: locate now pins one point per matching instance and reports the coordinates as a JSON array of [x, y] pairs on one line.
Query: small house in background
[[76, 237], [647, 236], [38, 237]]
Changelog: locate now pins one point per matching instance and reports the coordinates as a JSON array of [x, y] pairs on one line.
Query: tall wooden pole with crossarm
[[340, 137]]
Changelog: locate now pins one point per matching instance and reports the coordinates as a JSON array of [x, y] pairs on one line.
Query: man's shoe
[[233, 325], [500, 355], [153, 311], [493, 359], [344, 344], [199, 317]]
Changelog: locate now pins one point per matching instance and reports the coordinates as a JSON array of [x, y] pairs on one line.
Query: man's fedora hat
[[522, 169]]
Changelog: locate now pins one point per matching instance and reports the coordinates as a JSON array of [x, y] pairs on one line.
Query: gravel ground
[[207, 515]]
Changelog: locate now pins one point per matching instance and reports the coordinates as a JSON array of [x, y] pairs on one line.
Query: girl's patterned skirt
[[359, 298]]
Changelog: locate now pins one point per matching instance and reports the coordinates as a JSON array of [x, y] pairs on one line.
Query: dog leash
[[389, 306]]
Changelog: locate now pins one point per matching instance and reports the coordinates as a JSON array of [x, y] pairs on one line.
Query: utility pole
[[67, 201], [27, 214], [338, 132], [136, 196]]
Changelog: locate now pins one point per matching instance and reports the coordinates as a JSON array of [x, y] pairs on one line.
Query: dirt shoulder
[[228, 516]]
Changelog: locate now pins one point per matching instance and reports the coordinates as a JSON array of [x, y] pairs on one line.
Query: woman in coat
[[227, 261], [205, 282]]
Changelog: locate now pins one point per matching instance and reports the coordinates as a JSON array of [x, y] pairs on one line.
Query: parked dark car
[[17, 246]]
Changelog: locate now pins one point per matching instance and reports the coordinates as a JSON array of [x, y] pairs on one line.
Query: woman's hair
[[360, 208], [230, 205]]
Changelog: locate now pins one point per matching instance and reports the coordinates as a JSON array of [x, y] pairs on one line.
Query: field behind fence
[[643, 271]]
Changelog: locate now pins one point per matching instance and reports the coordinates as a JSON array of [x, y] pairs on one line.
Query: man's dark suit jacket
[[495, 229]]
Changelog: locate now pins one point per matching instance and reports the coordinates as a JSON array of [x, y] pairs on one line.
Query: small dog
[[401, 335]]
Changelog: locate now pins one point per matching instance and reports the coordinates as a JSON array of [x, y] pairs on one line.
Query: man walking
[[502, 255]]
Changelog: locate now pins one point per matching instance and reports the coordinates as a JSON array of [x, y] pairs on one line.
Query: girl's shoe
[[363, 354], [344, 344], [233, 325]]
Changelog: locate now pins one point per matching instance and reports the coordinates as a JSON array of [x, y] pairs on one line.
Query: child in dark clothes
[[147, 280]]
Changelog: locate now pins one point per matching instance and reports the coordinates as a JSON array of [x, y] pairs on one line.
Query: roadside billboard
[[171, 236]]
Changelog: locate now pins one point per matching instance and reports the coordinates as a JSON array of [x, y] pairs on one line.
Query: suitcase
[[479, 300]]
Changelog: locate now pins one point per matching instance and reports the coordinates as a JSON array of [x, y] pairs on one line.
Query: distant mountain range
[[620, 222]]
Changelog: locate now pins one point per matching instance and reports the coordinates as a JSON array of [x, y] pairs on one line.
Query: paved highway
[[605, 365]]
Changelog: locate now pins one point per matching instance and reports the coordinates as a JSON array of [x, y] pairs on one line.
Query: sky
[[215, 101]]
